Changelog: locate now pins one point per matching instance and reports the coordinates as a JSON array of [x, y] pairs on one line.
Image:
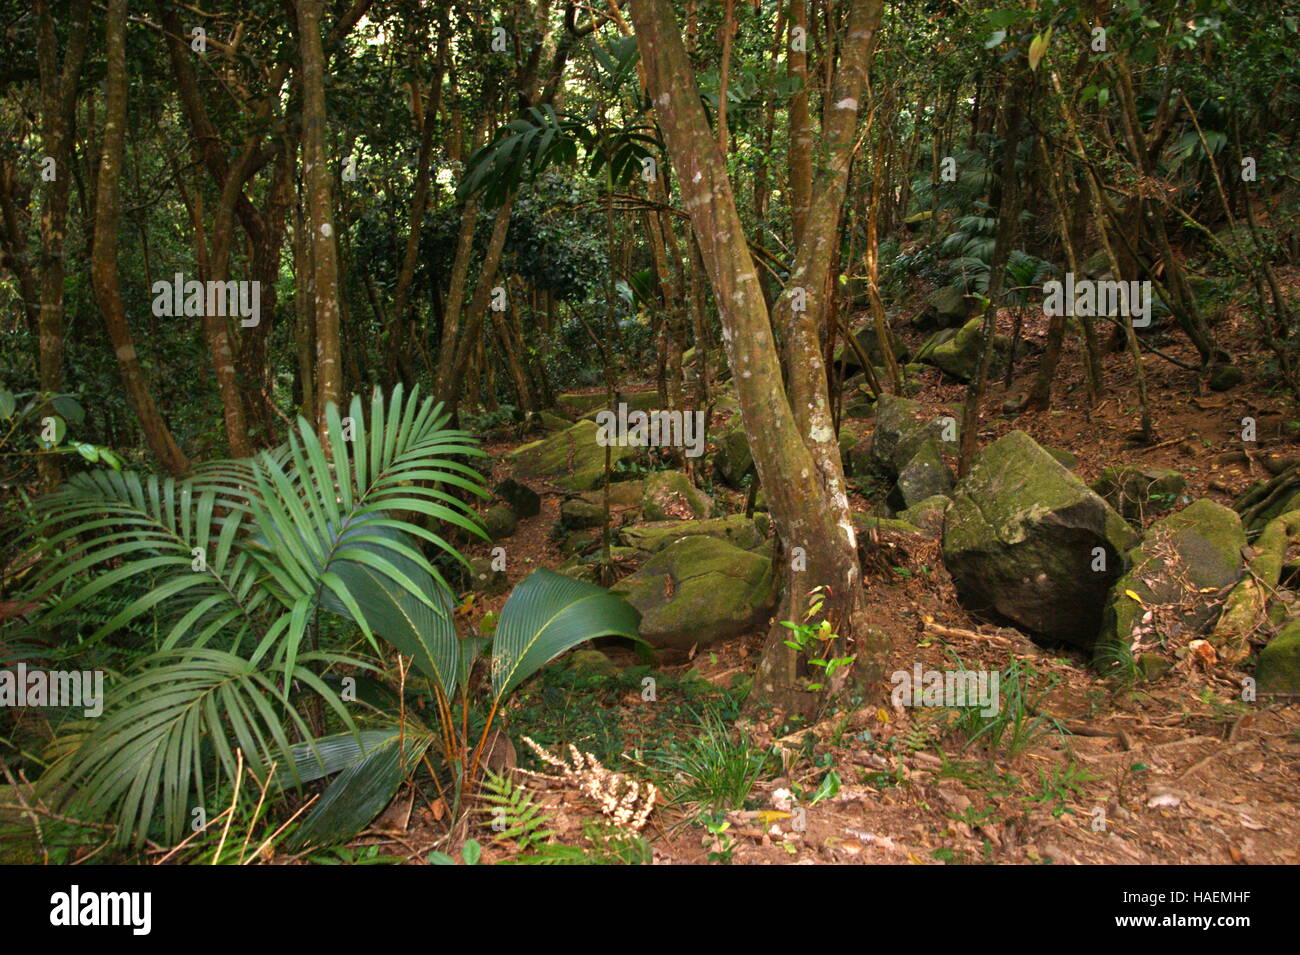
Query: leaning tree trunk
[[819, 541]]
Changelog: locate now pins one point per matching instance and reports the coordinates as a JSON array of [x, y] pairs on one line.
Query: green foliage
[[714, 769], [813, 638], [512, 813], [1017, 724], [247, 554], [35, 423], [1061, 785]]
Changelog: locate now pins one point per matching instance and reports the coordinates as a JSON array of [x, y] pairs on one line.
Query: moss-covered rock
[[959, 356], [592, 662], [484, 577], [576, 514], [1065, 458], [924, 476], [580, 569], [623, 495], [928, 514], [733, 459], [875, 524], [582, 402], [902, 427], [551, 421], [1135, 492], [572, 459], [1278, 670], [699, 590], [866, 339], [500, 522], [670, 495], [639, 401], [1225, 377], [1247, 606], [736, 529], [944, 308], [1021, 538], [1182, 568]]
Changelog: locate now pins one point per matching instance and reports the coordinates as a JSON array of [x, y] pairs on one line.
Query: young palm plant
[[263, 572]]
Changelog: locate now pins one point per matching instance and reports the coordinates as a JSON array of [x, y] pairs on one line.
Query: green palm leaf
[[548, 613], [169, 733], [363, 788], [402, 617]]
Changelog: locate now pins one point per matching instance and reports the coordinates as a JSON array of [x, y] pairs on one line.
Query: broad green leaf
[[362, 790], [548, 613]]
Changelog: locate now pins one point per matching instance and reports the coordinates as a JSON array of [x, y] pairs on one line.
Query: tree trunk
[[822, 542], [103, 259], [800, 158], [320, 203], [58, 108]]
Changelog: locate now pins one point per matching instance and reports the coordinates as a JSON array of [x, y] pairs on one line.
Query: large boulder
[[699, 590], [874, 525], [482, 576], [577, 514], [1180, 572], [851, 435], [623, 496], [670, 495], [736, 529], [1135, 492], [572, 459], [1021, 538], [925, 353], [927, 514], [582, 402], [902, 427], [550, 421], [638, 401], [1252, 600], [869, 344]]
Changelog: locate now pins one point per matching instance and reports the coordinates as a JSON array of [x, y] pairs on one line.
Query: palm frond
[[169, 733]]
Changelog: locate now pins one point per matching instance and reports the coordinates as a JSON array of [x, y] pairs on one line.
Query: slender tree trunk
[[305, 313], [59, 103], [1008, 211], [800, 158], [320, 201], [103, 264]]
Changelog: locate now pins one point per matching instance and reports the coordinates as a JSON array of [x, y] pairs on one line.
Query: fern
[[515, 816]]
